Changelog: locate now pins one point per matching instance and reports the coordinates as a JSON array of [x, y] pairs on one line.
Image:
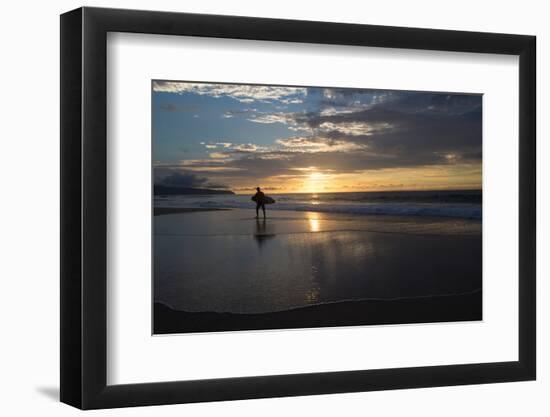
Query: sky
[[314, 139]]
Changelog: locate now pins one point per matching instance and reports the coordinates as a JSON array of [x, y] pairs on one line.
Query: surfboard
[[267, 199]]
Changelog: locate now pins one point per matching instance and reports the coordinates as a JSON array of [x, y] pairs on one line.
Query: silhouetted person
[[259, 198]]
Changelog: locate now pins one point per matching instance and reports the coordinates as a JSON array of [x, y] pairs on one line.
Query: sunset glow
[[314, 140]]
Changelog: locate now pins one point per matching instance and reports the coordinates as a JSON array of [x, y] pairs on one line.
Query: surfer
[[259, 198]]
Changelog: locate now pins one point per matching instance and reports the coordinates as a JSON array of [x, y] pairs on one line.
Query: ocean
[[315, 249], [463, 204]]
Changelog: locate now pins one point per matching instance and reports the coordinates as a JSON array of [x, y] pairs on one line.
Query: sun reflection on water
[[314, 222]]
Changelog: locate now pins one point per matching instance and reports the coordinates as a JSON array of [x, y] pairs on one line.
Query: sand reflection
[[261, 234]]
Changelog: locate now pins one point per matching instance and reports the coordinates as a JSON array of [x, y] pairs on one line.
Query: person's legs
[[257, 210], [263, 209]]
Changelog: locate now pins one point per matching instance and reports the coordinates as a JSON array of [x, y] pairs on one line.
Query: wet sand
[[465, 307], [225, 270]]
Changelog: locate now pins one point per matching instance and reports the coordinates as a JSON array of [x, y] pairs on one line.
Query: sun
[[315, 182], [316, 176]]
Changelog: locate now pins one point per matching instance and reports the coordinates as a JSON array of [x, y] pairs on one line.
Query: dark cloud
[[455, 103], [413, 128], [409, 130], [349, 97], [183, 179]]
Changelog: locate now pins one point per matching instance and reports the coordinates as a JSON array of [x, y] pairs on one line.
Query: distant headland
[[166, 190]]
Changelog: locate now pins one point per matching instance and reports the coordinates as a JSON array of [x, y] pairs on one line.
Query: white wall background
[[29, 237]]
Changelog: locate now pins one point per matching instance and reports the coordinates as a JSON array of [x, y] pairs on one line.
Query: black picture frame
[[84, 207]]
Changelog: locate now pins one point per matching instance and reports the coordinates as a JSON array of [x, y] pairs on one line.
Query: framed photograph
[[258, 208]]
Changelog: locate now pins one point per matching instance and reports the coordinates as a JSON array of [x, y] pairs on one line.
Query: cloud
[[292, 100], [341, 100], [246, 147], [402, 127], [241, 92], [183, 179], [273, 118], [228, 148], [292, 120], [346, 132], [178, 107], [206, 165], [217, 145], [355, 128], [319, 144], [199, 165], [333, 111], [218, 155], [235, 113], [371, 139]]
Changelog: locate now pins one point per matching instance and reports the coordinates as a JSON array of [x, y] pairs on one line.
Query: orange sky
[[311, 180]]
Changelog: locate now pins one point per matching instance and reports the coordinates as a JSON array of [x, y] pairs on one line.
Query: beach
[[221, 270]]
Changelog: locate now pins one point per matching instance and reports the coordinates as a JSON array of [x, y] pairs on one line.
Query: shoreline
[[161, 211], [431, 309], [376, 211]]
